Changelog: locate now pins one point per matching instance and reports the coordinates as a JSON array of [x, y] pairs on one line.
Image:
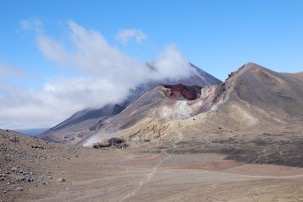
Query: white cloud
[[7, 71], [52, 50], [94, 56], [58, 99], [32, 23], [126, 35], [110, 76], [170, 64]]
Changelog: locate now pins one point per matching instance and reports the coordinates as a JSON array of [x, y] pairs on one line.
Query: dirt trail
[[145, 180], [153, 171]]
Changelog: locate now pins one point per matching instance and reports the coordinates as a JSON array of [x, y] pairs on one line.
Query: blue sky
[[217, 36]]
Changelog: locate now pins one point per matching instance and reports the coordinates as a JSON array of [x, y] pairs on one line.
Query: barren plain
[[135, 175]]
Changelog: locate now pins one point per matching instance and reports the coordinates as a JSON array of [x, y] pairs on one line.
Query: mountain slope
[[255, 116], [88, 121]]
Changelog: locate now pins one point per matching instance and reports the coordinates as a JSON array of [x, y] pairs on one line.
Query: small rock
[[14, 139], [19, 189], [22, 179], [60, 179], [49, 177], [14, 169]]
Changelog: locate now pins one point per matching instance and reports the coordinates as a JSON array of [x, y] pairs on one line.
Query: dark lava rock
[[112, 142]]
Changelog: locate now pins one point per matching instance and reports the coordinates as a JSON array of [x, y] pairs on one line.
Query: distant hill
[[32, 132]]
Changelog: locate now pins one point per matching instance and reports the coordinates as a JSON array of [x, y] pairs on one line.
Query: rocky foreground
[[26, 163], [36, 170]]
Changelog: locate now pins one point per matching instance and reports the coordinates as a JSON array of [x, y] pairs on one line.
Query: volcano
[[88, 121], [254, 116]]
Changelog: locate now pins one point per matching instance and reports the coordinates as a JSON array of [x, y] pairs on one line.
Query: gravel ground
[[34, 170]]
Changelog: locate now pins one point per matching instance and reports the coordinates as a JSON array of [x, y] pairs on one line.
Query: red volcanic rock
[[178, 91], [235, 72]]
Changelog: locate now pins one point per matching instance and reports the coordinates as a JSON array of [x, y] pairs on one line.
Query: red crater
[[180, 91]]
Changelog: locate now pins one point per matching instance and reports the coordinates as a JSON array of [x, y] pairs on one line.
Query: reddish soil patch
[[265, 170], [235, 72]]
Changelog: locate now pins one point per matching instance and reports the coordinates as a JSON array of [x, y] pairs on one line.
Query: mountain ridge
[[254, 116]]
